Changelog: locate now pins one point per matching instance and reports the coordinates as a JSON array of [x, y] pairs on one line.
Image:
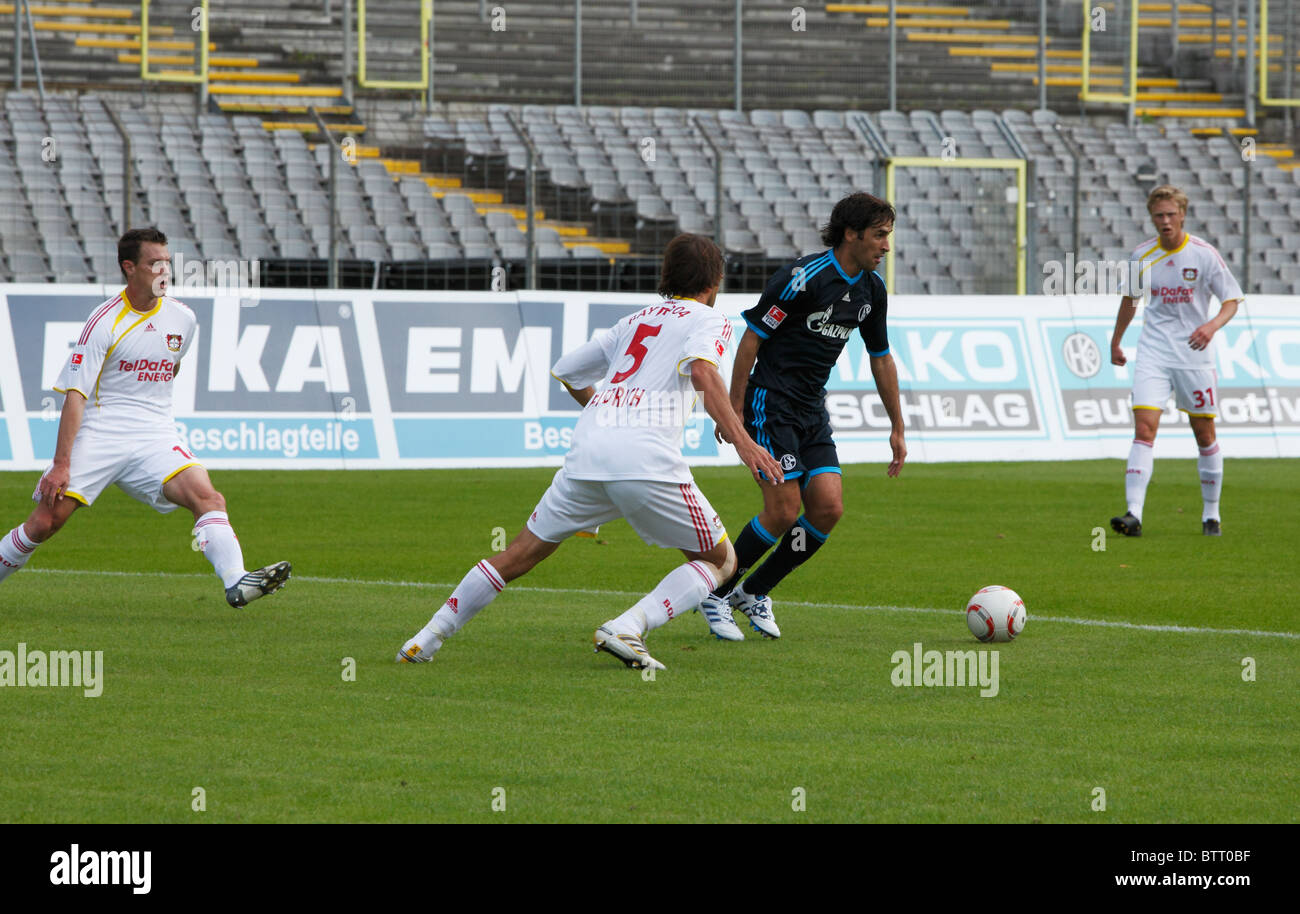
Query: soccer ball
[[995, 614]]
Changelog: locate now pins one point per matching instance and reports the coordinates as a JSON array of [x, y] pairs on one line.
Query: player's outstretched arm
[[713, 393], [1202, 335], [1127, 308], [885, 373], [55, 482]]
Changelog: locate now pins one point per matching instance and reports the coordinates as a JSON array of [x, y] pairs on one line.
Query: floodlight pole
[[126, 165], [335, 152], [577, 53], [1250, 62], [1042, 55], [1289, 65], [530, 198], [1232, 35], [717, 182], [893, 57], [1248, 163], [428, 77], [18, 47], [347, 48], [738, 56], [36, 55]]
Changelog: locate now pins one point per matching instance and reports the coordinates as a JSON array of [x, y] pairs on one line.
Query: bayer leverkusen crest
[[174, 342], [1189, 274]]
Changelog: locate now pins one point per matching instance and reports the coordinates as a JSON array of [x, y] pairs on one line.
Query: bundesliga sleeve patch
[[718, 345], [76, 359], [773, 317]]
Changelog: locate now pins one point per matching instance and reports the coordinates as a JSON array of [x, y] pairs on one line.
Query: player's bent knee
[[211, 501], [727, 567], [778, 521], [720, 560], [45, 522], [824, 517]]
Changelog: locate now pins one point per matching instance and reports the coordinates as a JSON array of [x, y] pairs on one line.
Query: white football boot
[[257, 584], [759, 611], [626, 646], [423, 646], [717, 612]]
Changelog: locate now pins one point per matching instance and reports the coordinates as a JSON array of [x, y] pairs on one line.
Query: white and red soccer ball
[[995, 614]]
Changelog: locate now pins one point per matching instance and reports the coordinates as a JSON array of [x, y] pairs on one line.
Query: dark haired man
[[626, 459], [117, 427], [796, 333]]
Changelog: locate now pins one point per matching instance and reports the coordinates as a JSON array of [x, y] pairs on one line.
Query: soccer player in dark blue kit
[[795, 334]]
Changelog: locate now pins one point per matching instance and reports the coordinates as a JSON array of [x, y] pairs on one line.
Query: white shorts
[[669, 514], [140, 467], [1195, 390]]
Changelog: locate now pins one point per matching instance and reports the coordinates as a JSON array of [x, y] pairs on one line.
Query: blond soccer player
[[116, 425], [1179, 274]]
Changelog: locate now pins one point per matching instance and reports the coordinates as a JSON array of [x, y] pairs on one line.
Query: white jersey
[[1179, 285], [632, 427], [124, 362]]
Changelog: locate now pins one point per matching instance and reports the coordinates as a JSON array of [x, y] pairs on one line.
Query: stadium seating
[[226, 188]]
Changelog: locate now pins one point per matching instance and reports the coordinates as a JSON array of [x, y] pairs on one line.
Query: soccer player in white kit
[[626, 459], [116, 425], [1179, 273]]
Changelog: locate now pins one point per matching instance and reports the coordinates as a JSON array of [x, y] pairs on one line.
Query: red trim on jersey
[[497, 584], [1206, 244], [94, 319], [13, 538], [708, 578], [697, 517]]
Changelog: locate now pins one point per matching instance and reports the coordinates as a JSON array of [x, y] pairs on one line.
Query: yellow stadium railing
[[199, 76], [1016, 165], [426, 17], [1264, 97], [1127, 98]]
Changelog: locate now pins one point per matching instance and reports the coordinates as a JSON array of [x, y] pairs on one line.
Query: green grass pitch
[[254, 707]]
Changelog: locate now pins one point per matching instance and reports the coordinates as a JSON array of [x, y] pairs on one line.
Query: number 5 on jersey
[[636, 349]]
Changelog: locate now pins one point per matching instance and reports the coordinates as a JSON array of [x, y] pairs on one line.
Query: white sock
[[1140, 461], [680, 590], [1210, 468], [477, 589], [15, 549], [215, 536]]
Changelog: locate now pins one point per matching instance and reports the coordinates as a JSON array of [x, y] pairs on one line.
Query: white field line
[[635, 595]]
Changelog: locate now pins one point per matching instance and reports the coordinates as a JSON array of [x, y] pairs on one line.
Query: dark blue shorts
[[799, 438]]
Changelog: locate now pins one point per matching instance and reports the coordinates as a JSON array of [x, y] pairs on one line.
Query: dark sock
[[797, 546], [750, 546]]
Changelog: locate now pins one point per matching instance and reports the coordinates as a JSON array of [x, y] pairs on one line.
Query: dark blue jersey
[[807, 313]]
